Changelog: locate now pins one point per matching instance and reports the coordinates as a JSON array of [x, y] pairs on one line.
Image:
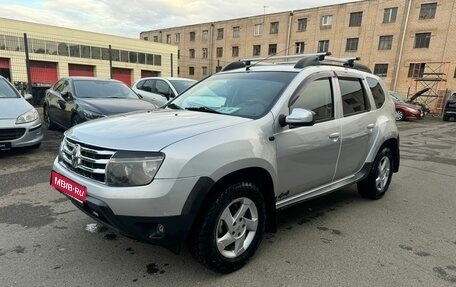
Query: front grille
[[11, 134], [86, 160]]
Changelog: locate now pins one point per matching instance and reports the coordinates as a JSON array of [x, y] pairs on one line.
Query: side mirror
[[28, 97], [298, 118], [65, 95]]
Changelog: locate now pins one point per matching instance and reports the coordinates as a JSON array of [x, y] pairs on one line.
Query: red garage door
[[123, 75], [43, 72], [4, 63], [147, 73], [81, 70]]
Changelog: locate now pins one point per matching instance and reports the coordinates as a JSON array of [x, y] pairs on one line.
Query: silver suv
[[214, 165]]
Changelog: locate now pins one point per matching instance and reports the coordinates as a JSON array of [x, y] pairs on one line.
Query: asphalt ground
[[408, 238]]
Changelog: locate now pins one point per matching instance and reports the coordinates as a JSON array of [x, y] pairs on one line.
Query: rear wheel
[[377, 182], [50, 125], [231, 229], [400, 115]]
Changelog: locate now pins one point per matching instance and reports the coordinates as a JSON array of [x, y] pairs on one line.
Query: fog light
[[160, 229], [158, 233]]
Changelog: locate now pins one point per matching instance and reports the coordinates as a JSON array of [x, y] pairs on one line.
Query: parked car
[[236, 147], [20, 123], [404, 110], [449, 110], [159, 90], [74, 100]]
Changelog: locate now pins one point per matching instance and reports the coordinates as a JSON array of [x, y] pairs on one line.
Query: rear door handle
[[370, 126], [334, 137]]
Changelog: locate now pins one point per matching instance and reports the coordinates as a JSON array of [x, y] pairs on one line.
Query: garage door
[[81, 70], [43, 73], [147, 73], [4, 63], [123, 75]]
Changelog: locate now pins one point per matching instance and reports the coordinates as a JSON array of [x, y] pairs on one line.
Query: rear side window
[[377, 92], [354, 97]]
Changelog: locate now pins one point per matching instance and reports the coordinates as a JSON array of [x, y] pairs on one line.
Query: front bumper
[[33, 134]]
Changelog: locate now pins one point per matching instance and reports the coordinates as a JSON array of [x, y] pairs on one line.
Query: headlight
[[133, 168], [27, 117], [91, 115]]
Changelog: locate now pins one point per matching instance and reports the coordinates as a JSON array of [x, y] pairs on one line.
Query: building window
[[218, 68], [258, 30], [428, 11], [326, 22], [274, 28], [302, 24], [389, 15], [351, 45], [236, 31], [205, 35], [155, 38], [204, 70], [219, 52], [191, 71], [192, 36], [146, 38], [204, 53], [299, 47], [323, 46], [178, 37], [416, 70], [256, 50], [168, 39], [235, 51], [178, 54], [272, 49], [422, 40], [355, 19], [385, 42], [381, 70], [191, 53], [219, 33]]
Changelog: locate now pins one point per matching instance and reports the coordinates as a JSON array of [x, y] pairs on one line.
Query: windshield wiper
[[203, 109], [173, 106]]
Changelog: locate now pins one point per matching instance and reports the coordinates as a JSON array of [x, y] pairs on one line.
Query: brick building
[[407, 42]]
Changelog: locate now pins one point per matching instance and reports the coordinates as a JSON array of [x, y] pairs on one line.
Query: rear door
[[358, 124]]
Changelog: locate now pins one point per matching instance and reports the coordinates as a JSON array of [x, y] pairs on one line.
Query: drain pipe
[[402, 45], [290, 19]]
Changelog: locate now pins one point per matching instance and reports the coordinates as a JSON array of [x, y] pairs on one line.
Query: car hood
[[11, 108], [149, 131], [112, 106]]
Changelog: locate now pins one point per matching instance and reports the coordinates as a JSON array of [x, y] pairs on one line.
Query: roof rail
[[305, 60]]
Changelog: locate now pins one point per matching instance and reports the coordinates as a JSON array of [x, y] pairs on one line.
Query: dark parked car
[[404, 110], [73, 100], [20, 124], [450, 108]]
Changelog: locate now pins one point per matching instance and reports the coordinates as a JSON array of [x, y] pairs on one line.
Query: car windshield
[[181, 85], [244, 94], [6, 91], [397, 98], [102, 89]]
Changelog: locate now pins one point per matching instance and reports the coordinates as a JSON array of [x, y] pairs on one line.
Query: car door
[[52, 101], [307, 156], [164, 90], [358, 124], [66, 104]]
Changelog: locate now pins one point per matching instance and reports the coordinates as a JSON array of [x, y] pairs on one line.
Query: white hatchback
[[159, 90]]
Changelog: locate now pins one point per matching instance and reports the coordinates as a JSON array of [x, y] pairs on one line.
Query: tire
[[76, 119], [50, 125], [221, 244], [377, 182], [400, 115]]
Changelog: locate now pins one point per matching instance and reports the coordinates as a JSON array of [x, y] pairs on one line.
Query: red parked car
[[404, 110]]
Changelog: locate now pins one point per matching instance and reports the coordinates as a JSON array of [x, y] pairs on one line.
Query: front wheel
[[231, 229], [50, 125], [377, 182], [399, 115]]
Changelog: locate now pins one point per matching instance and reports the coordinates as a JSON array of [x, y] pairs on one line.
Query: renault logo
[[76, 156]]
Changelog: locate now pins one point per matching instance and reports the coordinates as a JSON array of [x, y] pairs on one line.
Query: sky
[[130, 17]]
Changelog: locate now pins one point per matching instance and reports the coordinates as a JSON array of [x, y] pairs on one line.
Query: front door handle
[[370, 126], [334, 137]]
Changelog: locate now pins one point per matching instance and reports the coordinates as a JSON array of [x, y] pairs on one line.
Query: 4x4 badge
[[76, 156]]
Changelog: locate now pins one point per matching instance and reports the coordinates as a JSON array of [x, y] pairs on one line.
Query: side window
[[147, 86], [58, 86], [316, 96], [162, 87], [377, 92], [354, 97], [140, 84]]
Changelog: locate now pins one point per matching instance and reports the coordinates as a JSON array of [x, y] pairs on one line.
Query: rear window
[[377, 92]]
